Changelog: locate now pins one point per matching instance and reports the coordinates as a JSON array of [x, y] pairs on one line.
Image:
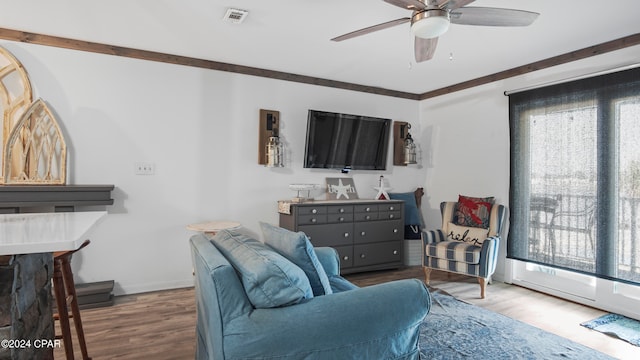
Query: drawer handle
[[313, 220], [395, 231], [314, 211], [395, 252], [367, 209], [341, 219], [345, 258], [362, 256], [341, 210], [391, 216], [363, 233], [368, 217], [346, 234], [391, 208]]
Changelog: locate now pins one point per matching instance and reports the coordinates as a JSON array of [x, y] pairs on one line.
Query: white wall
[[200, 128], [466, 137]]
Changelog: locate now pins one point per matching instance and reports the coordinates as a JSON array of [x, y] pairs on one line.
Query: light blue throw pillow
[[268, 278], [296, 247], [411, 213]]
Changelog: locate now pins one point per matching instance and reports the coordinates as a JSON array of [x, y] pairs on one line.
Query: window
[[575, 182]]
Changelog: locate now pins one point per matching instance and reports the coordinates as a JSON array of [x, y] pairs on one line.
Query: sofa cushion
[[473, 211], [469, 234], [455, 251], [268, 278], [296, 247], [340, 284]]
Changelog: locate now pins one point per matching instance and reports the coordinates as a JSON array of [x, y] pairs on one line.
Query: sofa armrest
[[329, 260], [380, 321]]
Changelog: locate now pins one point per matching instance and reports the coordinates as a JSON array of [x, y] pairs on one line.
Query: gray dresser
[[368, 234]]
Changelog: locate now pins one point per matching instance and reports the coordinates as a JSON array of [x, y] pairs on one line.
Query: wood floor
[[161, 325]]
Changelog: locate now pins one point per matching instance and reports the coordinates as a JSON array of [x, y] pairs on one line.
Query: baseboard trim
[[119, 289]]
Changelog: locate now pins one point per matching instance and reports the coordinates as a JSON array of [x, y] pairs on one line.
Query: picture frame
[[341, 188]]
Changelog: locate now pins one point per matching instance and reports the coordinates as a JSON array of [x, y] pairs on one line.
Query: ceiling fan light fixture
[[430, 23]]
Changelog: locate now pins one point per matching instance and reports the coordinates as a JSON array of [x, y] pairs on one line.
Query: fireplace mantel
[[19, 198]]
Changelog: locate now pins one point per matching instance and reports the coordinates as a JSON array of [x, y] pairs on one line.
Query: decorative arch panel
[[33, 147]]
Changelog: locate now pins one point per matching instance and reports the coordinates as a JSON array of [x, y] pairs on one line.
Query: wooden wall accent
[[584, 53], [66, 43], [47, 40], [268, 127], [398, 142]]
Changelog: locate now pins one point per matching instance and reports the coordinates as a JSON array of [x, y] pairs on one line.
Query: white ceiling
[[293, 35]]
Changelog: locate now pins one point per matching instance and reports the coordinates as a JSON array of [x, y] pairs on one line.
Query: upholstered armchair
[[461, 249]]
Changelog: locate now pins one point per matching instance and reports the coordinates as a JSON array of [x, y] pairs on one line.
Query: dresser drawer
[[329, 235], [339, 218], [390, 207], [339, 209], [379, 253], [311, 210], [367, 208], [345, 254], [389, 215], [378, 231], [312, 219], [365, 216]]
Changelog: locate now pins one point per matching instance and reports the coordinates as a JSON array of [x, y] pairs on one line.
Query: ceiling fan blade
[[453, 4], [485, 16], [408, 4], [425, 48], [371, 29]]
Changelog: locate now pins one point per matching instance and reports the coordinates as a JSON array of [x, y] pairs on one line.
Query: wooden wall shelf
[[269, 126], [399, 134]]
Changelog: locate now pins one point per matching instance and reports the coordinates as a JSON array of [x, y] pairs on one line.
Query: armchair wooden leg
[[427, 274], [483, 286]]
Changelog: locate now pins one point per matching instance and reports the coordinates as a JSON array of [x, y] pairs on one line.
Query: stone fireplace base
[[26, 320]]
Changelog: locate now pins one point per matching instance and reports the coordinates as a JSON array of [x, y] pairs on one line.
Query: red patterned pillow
[[473, 211]]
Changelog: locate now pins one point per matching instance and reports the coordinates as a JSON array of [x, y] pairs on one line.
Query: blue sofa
[[347, 322]]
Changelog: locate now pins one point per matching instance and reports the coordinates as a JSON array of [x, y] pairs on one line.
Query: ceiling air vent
[[235, 16]]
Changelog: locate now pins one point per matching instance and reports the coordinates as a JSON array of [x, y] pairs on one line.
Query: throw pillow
[[296, 247], [268, 278], [469, 234], [411, 213], [473, 211], [412, 217]]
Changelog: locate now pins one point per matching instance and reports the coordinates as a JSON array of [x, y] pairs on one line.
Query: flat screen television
[[346, 142]]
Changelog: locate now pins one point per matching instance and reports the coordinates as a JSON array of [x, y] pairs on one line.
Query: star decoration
[[382, 193], [341, 189]]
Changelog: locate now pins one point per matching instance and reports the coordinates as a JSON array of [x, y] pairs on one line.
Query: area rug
[[618, 326], [454, 329]]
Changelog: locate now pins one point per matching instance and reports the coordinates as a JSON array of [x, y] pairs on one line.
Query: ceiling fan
[[431, 18]]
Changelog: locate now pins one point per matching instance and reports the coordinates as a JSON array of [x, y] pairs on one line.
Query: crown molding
[[584, 53], [80, 45]]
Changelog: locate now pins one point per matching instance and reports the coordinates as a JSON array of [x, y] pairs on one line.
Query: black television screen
[[344, 141]]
